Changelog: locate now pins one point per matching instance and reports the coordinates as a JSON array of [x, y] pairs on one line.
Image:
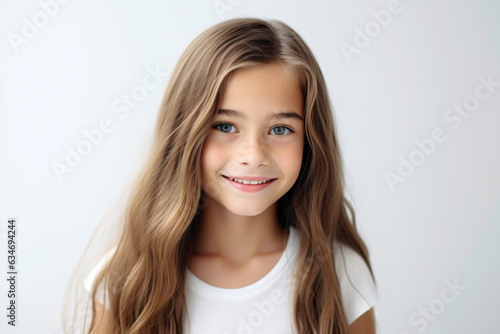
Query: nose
[[252, 152]]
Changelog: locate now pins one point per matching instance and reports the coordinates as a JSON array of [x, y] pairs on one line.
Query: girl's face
[[257, 133]]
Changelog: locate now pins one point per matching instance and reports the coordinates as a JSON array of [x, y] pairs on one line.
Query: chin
[[245, 209]]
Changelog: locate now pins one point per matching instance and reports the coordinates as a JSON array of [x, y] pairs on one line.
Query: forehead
[[269, 87]]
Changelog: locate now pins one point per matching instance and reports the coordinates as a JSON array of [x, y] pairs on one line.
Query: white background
[[441, 223]]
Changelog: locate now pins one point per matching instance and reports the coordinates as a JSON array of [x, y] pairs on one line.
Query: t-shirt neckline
[[273, 274]]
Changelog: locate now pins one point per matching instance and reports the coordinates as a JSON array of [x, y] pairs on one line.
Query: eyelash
[[276, 126]]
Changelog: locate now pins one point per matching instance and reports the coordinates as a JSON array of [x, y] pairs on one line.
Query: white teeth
[[248, 182]]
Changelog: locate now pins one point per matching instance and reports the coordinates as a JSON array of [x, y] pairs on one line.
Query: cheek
[[291, 159], [213, 156]]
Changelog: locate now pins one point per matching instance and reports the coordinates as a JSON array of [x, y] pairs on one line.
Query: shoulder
[[89, 280], [357, 287]]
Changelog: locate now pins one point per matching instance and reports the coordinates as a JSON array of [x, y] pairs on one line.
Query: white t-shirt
[[265, 306]]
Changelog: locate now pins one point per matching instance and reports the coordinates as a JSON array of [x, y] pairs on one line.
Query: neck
[[236, 239]]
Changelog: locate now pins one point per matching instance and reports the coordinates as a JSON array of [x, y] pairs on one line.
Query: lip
[[250, 178], [250, 188]]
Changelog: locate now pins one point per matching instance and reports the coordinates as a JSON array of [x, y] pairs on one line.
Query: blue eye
[[224, 127], [282, 127]]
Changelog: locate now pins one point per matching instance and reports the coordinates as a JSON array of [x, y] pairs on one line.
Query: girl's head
[[256, 69], [210, 76]]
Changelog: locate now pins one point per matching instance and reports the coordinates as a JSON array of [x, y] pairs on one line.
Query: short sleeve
[[89, 280], [357, 287]]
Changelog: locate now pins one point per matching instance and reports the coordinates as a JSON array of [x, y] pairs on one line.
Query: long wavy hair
[[145, 277]]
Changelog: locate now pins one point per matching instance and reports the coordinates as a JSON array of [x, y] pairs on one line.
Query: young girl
[[238, 221]]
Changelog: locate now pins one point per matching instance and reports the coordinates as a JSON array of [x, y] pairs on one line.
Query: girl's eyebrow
[[239, 114]]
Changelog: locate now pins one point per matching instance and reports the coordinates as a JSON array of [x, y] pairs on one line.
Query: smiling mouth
[[248, 182]]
